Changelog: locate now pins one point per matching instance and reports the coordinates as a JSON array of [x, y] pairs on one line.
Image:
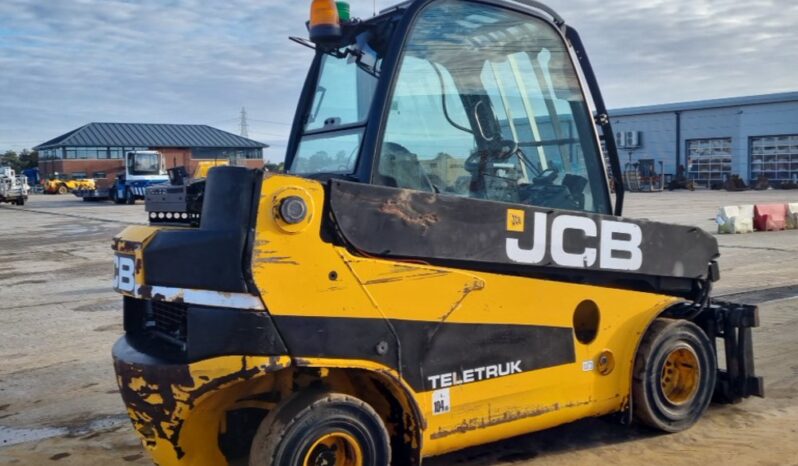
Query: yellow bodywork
[[177, 410], [58, 186], [203, 166], [299, 274], [291, 270]]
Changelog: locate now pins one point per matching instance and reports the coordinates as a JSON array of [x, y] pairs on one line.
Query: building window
[[125, 150], [709, 161], [775, 158], [116, 152], [85, 153], [99, 175], [56, 153], [208, 153], [78, 175], [226, 153]]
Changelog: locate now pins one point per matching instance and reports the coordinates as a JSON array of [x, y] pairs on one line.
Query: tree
[[11, 159], [275, 167], [21, 161], [29, 159]]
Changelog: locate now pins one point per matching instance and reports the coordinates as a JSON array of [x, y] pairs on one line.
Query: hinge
[[601, 119]]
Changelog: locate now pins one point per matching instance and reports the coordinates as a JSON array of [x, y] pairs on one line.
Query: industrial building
[[750, 136], [96, 150]]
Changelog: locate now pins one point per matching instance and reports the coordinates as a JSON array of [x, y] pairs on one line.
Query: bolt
[[382, 348]]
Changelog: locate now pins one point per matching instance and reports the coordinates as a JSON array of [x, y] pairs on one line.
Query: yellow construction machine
[[63, 185], [441, 266]]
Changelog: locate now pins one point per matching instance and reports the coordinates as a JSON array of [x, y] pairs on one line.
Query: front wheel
[[130, 199], [321, 428], [674, 375], [62, 189], [114, 195]]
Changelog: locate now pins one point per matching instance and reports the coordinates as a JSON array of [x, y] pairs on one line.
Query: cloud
[[63, 64], [658, 51]]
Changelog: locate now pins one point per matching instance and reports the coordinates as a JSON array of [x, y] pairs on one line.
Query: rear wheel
[[674, 375], [62, 189], [321, 429]]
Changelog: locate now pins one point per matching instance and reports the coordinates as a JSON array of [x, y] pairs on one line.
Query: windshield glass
[[490, 107], [145, 164], [336, 119]]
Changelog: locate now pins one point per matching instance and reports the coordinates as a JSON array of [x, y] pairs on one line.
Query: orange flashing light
[[325, 23]]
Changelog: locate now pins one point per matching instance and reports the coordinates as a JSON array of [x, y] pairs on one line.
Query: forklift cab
[[490, 107]]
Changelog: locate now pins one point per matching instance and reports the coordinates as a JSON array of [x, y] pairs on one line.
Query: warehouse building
[[751, 137], [96, 149]]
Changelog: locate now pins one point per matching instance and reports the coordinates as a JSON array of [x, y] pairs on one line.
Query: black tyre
[[130, 199], [321, 428], [62, 189], [115, 195], [674, 375]]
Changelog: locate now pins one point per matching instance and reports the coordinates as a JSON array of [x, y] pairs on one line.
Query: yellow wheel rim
[[335, 449], [680, 375]]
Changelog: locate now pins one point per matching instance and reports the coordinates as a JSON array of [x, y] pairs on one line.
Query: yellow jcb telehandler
[[441, 266], [62, 185]]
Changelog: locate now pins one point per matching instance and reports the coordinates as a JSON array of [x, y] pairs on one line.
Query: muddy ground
[[59, 318]]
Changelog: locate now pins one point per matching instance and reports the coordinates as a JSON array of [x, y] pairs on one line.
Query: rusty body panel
[[177, 408]]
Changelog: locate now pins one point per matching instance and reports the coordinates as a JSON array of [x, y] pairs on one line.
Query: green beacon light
[[343, 11]]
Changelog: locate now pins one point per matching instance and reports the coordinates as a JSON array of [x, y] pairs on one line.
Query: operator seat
[[400, 168]]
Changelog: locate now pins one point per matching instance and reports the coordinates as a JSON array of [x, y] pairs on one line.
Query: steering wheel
[[498, 151], [546, 177]]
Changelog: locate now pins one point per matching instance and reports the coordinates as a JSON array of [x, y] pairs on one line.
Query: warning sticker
[[441, 402]]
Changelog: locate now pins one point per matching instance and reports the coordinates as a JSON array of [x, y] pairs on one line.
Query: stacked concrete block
[[770, 217], [792, 215], [736, 219]]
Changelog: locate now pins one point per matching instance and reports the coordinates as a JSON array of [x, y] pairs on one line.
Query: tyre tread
[[662, 329], [276, 425]]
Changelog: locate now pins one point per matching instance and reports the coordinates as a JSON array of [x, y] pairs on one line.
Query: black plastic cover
[[209, 332], [211, 257], [474, 233]]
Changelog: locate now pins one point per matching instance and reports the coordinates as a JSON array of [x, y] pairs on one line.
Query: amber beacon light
[[325, 21]]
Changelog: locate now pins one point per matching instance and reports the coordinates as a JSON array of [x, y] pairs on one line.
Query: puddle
[[12, 436], [99, 424], [15, 435]]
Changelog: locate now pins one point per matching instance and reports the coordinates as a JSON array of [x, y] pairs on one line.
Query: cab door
[[487, 105]]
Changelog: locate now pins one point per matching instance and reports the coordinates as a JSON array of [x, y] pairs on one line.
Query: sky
[[64, 63]]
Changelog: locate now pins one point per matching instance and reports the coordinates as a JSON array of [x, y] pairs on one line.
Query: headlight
[[293, 210]]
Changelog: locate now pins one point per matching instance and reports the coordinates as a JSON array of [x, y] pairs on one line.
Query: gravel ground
[[59, 318]]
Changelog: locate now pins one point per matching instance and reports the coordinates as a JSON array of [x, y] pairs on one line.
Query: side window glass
[[428, 137], [490, 107]]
